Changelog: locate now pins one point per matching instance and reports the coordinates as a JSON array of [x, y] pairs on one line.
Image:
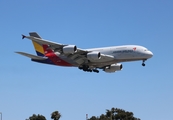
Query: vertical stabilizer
[[39, 48]]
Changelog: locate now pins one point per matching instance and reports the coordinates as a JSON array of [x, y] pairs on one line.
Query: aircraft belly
[[102, 64], [72, 62]]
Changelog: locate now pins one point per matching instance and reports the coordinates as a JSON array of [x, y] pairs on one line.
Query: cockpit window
[[145, 50]]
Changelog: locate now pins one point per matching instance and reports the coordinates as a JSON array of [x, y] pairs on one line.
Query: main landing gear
[[95, 70], [87, 69], [143, 62]]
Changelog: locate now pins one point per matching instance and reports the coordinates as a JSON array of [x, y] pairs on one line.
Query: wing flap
[[32, 56]]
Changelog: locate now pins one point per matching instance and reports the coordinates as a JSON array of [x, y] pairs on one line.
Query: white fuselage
[[123, 53]]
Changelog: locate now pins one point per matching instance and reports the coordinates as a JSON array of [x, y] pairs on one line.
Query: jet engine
[[113, 68], [94, 55], [70, 49]]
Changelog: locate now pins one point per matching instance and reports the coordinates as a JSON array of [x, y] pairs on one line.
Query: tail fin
[[39, 48]]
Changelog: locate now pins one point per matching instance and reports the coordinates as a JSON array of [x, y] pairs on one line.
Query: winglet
[[23, 36]]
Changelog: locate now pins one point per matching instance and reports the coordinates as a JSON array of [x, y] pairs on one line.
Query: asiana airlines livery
[[106, 58]]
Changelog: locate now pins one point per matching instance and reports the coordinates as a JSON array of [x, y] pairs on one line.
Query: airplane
[[89, 60]]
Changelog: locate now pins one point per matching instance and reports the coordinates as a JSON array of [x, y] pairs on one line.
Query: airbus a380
[[106, 58]]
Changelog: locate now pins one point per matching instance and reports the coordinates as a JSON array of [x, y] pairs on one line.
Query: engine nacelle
[[113, 68], [94, 55], [70, 49]]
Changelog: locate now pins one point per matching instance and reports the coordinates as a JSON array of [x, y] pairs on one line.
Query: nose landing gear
[[143, 62]]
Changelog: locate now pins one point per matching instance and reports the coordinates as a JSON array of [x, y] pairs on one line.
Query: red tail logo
[[134, 48]]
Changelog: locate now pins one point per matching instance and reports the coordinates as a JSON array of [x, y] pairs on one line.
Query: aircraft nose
[[150, 54]]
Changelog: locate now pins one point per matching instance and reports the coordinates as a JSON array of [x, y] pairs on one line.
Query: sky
[[28, 88]]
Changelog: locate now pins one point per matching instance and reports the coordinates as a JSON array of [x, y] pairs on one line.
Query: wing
[[53, 45], [80, 56]]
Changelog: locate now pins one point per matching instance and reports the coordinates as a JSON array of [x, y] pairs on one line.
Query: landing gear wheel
[[143, 64], [95, 70], [86, 68]]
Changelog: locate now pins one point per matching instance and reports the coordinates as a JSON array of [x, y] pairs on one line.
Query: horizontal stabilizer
[[32, 56]]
